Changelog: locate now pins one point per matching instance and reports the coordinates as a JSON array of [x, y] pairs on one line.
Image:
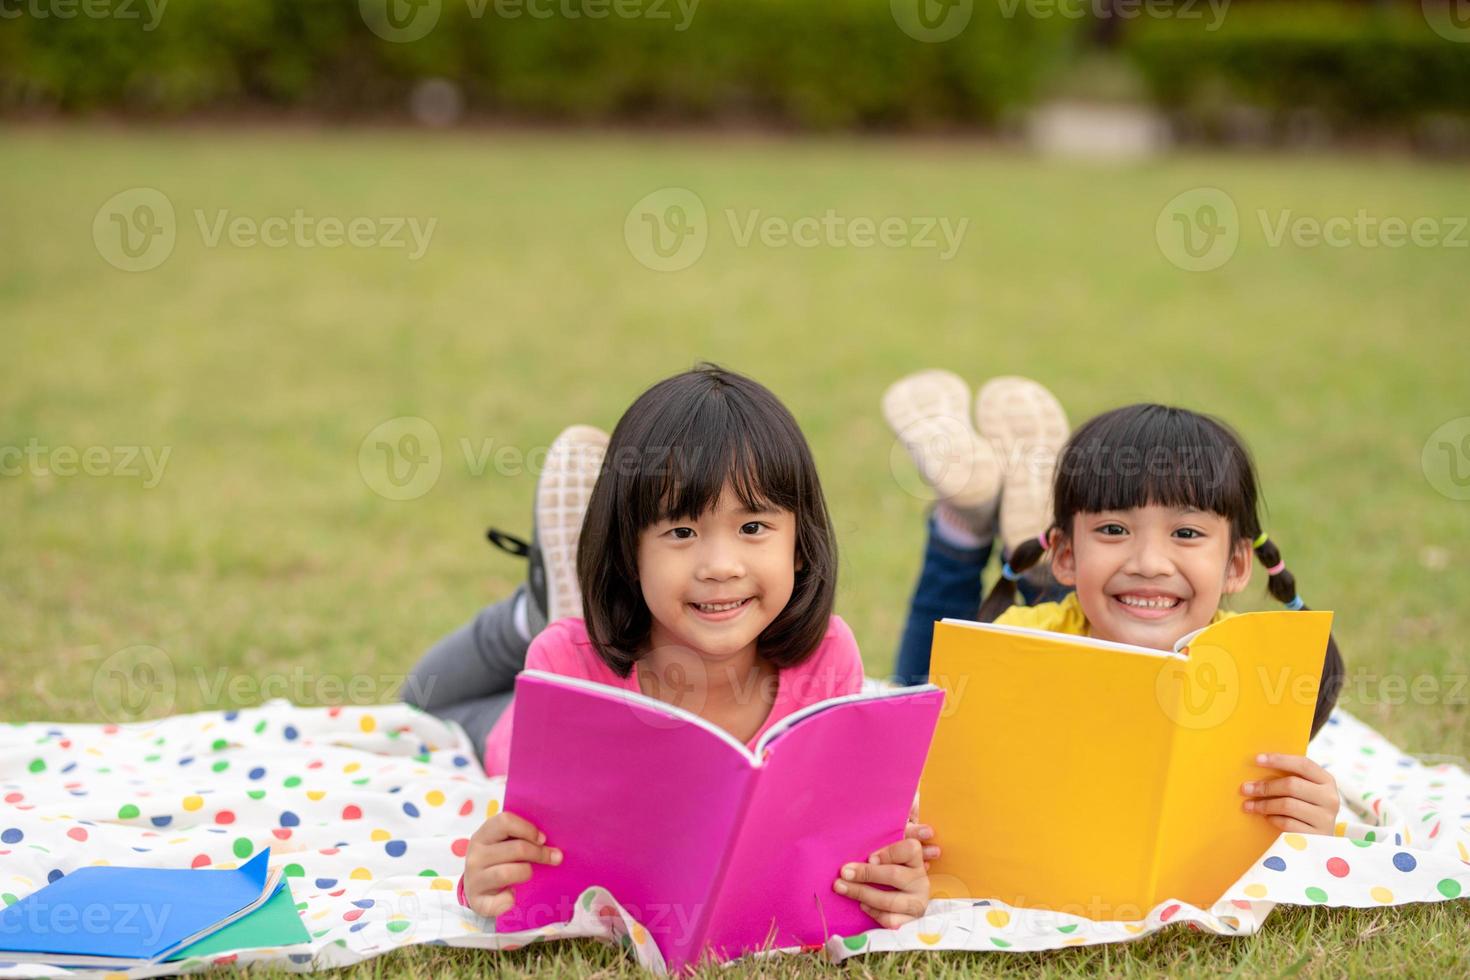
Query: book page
[[178, 906], [1249, 685], [641, 802], [1082, 641], [830, 790], [800, 716], [1045, 781]]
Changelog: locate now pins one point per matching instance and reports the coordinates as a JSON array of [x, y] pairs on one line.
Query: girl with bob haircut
[[707, 568], [677, 450]]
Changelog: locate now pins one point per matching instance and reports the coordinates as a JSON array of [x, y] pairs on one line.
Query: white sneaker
[[562, 493], [1028, 427], [929, 411]]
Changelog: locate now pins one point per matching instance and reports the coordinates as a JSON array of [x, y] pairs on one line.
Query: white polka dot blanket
[[368, 811]]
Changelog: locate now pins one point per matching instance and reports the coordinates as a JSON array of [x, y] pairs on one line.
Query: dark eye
[[1189, 533], [679, 536], [1113, 529], [752, 527]]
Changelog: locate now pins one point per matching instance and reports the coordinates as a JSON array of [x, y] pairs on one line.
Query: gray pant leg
[[477, 716], [469, 675]]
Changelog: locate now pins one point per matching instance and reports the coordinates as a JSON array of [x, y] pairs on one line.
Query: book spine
[[1160, 827], [708, 918]]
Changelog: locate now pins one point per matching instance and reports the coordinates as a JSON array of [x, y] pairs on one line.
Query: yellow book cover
[[1099, 778]]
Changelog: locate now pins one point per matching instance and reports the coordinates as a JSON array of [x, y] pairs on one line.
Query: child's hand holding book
[[901, 868], [921, 832], [500, 856], [502, 851], [1304, 802]]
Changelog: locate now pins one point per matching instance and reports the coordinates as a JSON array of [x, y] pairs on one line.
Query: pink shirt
[[834, 669]]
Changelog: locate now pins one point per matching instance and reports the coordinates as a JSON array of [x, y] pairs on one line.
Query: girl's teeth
[[706, 607], [1160, 603]]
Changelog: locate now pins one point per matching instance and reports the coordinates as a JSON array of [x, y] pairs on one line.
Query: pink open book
[[715, 848]]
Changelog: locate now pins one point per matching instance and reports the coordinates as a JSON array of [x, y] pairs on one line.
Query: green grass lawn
[[261, 550]]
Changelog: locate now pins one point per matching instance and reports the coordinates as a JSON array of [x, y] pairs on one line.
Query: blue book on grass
[[120, 917]]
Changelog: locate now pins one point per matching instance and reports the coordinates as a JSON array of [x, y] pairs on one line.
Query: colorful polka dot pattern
[[369, 810], [1403, 836]]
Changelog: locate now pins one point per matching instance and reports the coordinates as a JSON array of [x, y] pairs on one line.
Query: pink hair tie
[[1041, 539], [1277, 568]]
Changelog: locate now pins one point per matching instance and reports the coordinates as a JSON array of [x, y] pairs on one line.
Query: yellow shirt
[[1063, 617]]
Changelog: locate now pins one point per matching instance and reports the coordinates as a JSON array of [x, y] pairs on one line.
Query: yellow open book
[[1100, 778]]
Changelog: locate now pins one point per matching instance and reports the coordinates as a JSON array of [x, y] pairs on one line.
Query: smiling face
[[1149, 575], [715, 582]]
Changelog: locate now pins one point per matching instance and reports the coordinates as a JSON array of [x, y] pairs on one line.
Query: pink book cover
[[715, 848]]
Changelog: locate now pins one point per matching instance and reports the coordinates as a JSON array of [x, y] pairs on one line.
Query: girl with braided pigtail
[[1154, 521], [1151, 455], [1149, 516]]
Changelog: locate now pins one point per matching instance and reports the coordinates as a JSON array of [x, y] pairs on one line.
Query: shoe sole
[[929, 413], [562, 493], [1027, 427]]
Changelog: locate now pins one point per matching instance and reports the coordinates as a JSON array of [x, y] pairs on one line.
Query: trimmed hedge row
[[822, 63], [1356, 65], [811, 63]]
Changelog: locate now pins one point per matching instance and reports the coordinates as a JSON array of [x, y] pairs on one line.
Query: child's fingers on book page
[[923, 832], [502, 876], [902, 903], [893, 875], [521, 850], [1298, 764], [1317, 797], [918, 831], [888, 920], [492, 904], [505, 825], [1285, 786], [1319, 794], [1285, 806], [907, 851], [1291, 825]]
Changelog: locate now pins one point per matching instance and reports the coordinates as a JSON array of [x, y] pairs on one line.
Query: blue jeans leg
[[949, 587]]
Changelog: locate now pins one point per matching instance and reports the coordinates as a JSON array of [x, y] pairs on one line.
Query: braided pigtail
[[1282, 586], [1003, 593]]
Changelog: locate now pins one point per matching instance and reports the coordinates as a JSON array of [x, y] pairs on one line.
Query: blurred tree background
[[1248, 71]]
